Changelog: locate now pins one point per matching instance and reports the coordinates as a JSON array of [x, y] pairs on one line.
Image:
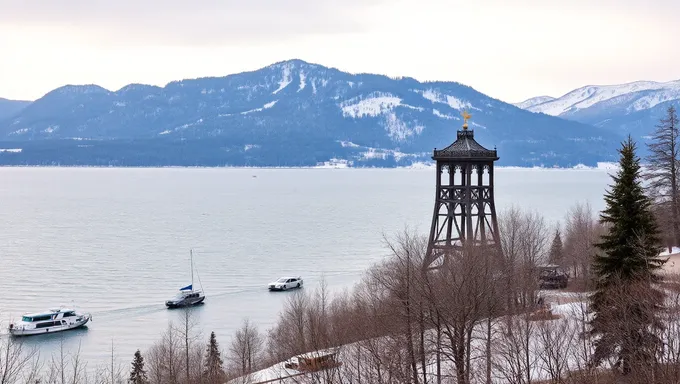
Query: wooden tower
[[464, 208]]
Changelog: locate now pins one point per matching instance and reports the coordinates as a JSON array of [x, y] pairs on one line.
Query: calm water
[[115, 242]]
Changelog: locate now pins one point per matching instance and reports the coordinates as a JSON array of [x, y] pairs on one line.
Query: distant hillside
[[8, 108], [289, 113]]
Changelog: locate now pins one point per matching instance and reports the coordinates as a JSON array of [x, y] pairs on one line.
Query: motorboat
[[187, 296], [53, 320]]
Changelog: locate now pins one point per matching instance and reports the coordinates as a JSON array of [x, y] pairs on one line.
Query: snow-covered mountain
[[626, 108], [8, 108], [289, 113], [526, 104]]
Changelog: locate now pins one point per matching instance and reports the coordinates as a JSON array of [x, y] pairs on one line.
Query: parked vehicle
[[285, 283]]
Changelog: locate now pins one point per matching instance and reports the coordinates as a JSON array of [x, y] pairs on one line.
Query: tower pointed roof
[[465, 146]]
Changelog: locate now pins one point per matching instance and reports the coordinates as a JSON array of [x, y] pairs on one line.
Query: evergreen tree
[[556, 249], [627, 301], [138, 374], [214, 372], [663, 168]]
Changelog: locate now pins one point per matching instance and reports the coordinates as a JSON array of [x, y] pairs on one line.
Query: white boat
[[187, 296], [53, 320]]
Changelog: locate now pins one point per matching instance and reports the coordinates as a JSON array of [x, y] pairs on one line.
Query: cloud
[[194, 23]]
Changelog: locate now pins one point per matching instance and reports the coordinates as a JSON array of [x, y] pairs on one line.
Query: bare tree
[[164, 359], [187, 333], [663, 166], [515, 360], [15, 361], [459, 292], [582, 232], [555, 339], [245, 349], [402, 278], [524, 243]]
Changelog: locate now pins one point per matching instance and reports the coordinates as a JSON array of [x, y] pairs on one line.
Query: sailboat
[[187, 296]]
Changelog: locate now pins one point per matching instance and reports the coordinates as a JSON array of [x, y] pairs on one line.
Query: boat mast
[[191, 253]]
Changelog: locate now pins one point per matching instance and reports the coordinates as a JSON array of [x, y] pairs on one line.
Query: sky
[[508, 49]]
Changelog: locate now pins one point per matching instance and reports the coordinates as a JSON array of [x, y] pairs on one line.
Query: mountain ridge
[[290, 112], [9, 107], [630, 108]]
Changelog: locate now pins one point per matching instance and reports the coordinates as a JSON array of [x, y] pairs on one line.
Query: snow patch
[[11, 150], [51, 129], [286, 79], [335, 163], [266, 106], [248, 147], [654, 99], [120, 103], [314, 87], [348, 144], [398, 130], [372, 106], [188, 125], [453, 102], [19, 131], [302, 81], [443, 115]]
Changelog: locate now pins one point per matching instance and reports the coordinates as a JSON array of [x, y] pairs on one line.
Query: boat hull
[[185, 303], [39, 331]]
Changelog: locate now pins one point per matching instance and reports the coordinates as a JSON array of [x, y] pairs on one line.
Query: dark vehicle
[[552, 277]]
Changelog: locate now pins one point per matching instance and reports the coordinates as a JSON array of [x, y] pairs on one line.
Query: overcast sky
[[509, 49]]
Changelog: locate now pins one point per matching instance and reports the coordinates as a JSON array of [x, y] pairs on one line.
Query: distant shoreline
[[600, 166]]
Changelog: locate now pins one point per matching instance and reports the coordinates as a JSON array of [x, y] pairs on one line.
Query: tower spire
[[466, 117]]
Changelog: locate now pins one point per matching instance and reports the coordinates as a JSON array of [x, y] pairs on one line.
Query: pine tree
[[138, 374], [556, 249], [627, 301], [214, 372], [663, 168]]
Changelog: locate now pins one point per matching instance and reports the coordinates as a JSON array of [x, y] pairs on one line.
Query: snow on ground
[[566, 328], [12, 150]]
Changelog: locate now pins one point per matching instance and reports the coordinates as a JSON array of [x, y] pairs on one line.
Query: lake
[[115, 241]]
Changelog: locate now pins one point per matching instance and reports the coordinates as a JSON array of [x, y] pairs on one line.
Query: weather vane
[[466, 117]]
